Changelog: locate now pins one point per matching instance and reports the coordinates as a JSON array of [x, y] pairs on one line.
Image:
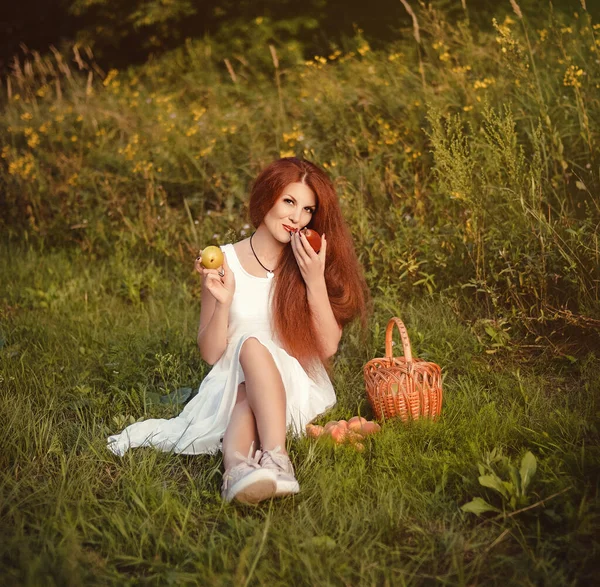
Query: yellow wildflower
[[34, 140], [26, 116], [572, 76], [283, 154], [112, 74], [364, 48]]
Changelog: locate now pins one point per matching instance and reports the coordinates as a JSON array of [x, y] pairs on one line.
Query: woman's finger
[[310, 252], [323, 252], [301, 247]]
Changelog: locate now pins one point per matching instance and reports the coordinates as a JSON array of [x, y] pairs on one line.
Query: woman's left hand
[[311, 264]]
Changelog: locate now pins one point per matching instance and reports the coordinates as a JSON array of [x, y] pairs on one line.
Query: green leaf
[[528, 469], [515, 479], [478, 506], [494, 482]]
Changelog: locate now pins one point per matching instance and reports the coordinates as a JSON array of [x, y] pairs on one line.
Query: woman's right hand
[[222, 287]]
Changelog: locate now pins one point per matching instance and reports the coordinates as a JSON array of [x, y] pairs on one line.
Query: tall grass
[[469, 163], [80, 357], [467, 167]]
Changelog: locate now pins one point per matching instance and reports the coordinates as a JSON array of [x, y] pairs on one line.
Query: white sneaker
[[280, 464], [248, 482]]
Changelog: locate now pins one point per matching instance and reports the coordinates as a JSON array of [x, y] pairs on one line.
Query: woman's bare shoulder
[[242, 245]]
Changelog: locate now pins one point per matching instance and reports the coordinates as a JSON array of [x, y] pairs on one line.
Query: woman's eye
[[288, 201], [309, 210]]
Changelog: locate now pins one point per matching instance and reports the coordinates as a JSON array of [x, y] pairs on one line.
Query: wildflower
[[484, 83], [364, 48], [26, 116], [283, 154], [73, 138], [467, 108], [197, 113], [23, 167], [34, 140], [72, 180], [572, 76], [44, 127], [259, 20], [112, 74]]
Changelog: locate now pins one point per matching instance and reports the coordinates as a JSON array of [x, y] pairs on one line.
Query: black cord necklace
[[270, 273]]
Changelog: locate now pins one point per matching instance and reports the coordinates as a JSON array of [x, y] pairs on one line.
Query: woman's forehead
[[300, 191]]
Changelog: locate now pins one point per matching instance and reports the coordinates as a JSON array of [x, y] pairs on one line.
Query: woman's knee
[[251, 348]]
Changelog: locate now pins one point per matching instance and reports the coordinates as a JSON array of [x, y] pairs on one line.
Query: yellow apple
[[212, 257]]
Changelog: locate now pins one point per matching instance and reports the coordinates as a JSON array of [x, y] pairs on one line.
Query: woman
[[271, 318]]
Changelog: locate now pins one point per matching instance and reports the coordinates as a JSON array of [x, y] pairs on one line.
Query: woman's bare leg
[[265, 394], [241, 431]]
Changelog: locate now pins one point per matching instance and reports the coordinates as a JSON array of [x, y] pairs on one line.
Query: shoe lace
[[273, 459], [249, 461]]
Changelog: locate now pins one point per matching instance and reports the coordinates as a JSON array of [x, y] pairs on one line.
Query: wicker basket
[[402, 386]]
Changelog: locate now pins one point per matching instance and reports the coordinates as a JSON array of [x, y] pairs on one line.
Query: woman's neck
[[267, 248]]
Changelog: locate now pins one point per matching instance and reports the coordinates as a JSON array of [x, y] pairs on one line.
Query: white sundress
[[202, 423]]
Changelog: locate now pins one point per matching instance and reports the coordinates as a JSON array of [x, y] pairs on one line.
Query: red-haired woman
[[271, 318]]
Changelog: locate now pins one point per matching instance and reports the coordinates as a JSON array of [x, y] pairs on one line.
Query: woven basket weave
[[403, 387]]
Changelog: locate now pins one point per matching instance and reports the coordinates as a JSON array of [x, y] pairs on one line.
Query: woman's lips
[[289, 228]]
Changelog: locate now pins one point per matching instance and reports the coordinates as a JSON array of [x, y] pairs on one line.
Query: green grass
[[79, 353], [467, 168]]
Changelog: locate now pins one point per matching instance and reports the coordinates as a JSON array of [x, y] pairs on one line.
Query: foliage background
[[465, 154]]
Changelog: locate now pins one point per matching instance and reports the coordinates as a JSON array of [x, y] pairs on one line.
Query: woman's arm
[[324, 321], [217, 294], [312, 268]]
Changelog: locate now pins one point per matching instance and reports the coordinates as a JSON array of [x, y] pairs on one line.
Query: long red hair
[[346, 285]]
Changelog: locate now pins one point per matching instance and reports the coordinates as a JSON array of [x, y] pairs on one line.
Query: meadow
[[467, 166]]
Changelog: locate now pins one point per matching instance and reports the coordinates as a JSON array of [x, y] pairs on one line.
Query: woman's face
[[292, 210]]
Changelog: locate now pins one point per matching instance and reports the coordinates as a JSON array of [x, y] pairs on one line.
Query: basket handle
[[403, 335]]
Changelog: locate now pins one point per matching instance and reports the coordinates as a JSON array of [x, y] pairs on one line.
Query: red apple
[[313, 238]]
